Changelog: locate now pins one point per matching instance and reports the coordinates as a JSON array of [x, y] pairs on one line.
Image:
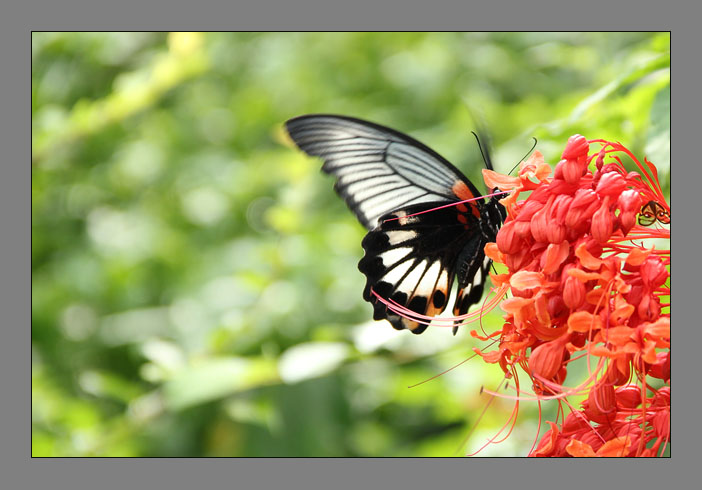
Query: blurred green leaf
[[658, 141], [216, 378]]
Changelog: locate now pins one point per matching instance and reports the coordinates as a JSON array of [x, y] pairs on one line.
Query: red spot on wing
[[462, 192]]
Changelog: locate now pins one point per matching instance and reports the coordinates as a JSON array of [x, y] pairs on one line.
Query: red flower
[[581, 285]]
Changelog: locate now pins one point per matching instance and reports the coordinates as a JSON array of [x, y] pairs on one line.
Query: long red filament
[[449, 205]]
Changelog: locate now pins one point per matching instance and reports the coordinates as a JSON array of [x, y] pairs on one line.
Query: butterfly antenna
[[527, 154], [485, 154]]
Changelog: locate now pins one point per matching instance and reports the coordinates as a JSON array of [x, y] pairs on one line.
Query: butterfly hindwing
[[413, 260]]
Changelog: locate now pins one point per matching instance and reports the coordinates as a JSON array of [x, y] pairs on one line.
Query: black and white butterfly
[[386, 177]]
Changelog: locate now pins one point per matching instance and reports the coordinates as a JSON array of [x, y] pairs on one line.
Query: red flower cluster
[[582, 287], [618, 431]]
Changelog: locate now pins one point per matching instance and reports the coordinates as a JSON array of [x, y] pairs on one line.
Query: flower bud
[[555, 233], [583, 198], [573, 293], [633, 177], [522, 229], [572, 170], [518, 260], [628, 396], [662, 397], [592, 208], [629, 200], [581, 208], [635, 294], [648, 308], [545, 360], [507, 241], [602, 400], [618, 372], [540, 225], [653, 272], [556, 306], [611, 184], [602, 223], [558, 171], [577, 147], [661, 369], [600, 159], [573, 422], [627, 220], [526, 212], [560, 207]]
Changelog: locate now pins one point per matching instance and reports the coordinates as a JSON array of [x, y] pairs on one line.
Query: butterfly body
[[421, 236]]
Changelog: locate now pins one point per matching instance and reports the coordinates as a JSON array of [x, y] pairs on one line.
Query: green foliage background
[[194, 281]]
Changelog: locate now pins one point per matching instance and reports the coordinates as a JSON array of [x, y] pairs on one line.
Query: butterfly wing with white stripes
[[412, 261], [385, 176], [378, 169]]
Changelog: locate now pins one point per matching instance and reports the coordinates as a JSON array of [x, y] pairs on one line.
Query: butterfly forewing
[[378, 169], [386, 178]]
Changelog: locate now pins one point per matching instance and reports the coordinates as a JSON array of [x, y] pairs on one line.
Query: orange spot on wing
[[461, 190], [409, 324]]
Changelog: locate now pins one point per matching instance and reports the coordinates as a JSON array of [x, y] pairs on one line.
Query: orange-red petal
[[503, 182], [513, 305], [580, 449], [583, 321], [494, 253], [527, 280], [637, 256], [618, 335], [586, 258], [549, 441], [583, 276], [555, 255], [616, 448]]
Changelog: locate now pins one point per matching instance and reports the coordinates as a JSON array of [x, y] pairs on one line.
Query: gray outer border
[[20, 471]]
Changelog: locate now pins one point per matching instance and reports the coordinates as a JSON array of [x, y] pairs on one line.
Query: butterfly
[[652, 212], [386, 178]]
